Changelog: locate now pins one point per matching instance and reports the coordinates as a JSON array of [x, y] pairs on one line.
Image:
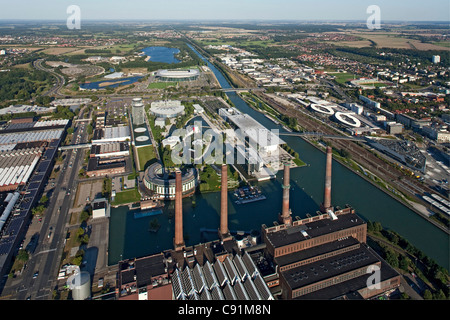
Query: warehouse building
[[107, 150], [111, 134]]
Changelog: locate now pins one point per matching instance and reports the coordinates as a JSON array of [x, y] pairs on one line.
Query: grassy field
[[343, 77], [161, 85], [128, 196], [392, 40], [145, 155]]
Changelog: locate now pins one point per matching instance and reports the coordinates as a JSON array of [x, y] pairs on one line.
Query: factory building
[[323, 256], [107, 150], [111, 134], [319, 257], [98, 167], [16, 205], [16, 167]]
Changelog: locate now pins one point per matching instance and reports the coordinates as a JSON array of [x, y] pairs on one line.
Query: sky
[[403, 10]]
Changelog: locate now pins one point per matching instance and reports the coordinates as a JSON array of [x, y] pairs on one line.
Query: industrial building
[[404, 151], [215, 270], [177, 75], [107, 150], [16, 166], [21, 108], [98, 167], [28, 173], [318, 257], [111, 134], [323, 256]]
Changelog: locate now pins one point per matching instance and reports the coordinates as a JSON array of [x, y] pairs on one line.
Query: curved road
[[60, 81]]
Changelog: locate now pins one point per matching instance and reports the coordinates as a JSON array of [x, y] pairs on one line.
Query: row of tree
[[432, 271]]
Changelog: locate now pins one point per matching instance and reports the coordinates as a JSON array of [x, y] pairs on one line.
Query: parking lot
[[88, 191]]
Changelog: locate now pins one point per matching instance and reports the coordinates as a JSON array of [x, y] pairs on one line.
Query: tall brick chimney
[[224, 202], [178, 240], [285, 216], [327, 194]]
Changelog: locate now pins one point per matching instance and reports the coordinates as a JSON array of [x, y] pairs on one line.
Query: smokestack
[[327, 194], [178, 241], [285, 216], [224, 202]]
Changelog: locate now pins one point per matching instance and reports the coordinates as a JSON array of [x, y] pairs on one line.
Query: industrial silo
[[80, 284]]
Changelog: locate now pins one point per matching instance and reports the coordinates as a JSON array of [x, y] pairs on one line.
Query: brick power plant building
[[319, 257]]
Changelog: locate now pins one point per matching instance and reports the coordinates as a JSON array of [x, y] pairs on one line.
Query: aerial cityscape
[[184, 150]]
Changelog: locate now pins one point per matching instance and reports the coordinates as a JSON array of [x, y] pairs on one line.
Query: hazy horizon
[[231, 10]]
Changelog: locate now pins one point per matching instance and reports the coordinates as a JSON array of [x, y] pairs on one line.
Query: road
[[46, 258], [60, 81]]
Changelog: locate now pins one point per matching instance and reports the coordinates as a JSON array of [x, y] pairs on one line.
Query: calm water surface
[[129, 237]]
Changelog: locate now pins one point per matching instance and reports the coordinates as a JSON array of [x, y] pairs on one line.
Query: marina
[[248, 194]]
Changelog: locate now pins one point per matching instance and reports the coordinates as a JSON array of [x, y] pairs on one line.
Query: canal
[[130, 237]]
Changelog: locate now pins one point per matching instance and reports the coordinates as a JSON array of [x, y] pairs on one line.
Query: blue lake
[[113, 83], [161, 54]]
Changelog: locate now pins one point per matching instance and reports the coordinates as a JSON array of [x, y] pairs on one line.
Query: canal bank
[[422, 214], [130, 237], [404, 219]]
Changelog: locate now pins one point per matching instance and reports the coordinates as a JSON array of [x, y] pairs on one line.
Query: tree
[[22, 255], [440, 295], [84, 215], [404, 263], [44, 200], [427, 295], [377, 227], [391, 258]]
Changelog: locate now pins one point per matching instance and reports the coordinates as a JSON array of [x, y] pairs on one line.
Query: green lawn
[[145, 155], [128, 196], [161, 85], [343, 77]]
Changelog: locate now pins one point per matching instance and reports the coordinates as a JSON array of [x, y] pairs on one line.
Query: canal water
[[131, 237]]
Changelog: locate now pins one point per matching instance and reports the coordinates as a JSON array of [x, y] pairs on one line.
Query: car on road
[[35, 275]]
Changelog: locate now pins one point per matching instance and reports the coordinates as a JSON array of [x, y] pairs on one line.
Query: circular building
[[322, 109], [167, 109], [161, 184], [348, 119], [177, 75]]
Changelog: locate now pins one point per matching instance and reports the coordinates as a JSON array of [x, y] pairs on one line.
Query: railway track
[[358, 153]]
